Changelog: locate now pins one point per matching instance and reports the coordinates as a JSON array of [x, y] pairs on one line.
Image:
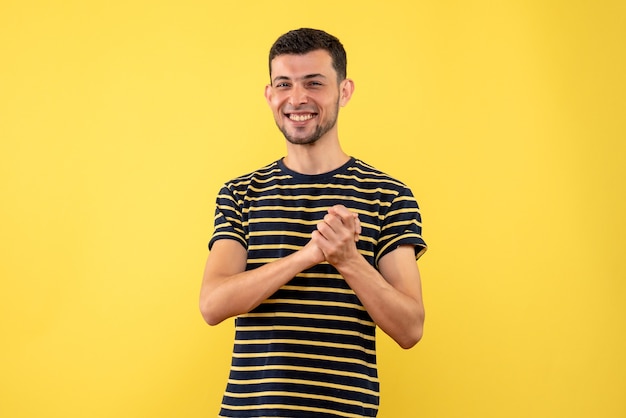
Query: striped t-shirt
[[309, 350]]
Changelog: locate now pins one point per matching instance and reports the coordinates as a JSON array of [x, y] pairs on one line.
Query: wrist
[[309, 256]]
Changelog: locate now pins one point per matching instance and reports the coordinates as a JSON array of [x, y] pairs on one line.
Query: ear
[[346, 88], [268, 93]]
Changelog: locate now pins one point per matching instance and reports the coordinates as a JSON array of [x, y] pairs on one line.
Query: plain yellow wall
[[119, 120]]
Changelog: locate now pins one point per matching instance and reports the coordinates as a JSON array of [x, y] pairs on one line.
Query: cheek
[[276, 103], [329, 104]]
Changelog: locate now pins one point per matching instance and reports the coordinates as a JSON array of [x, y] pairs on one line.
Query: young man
[[311, 253]]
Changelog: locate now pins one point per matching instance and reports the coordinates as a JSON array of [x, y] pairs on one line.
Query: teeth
[[300, 118]]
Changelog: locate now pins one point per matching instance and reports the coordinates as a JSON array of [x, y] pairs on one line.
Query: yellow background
[[119, 120]]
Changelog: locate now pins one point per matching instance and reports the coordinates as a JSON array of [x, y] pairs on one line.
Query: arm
[[392, 296], [229, 290]]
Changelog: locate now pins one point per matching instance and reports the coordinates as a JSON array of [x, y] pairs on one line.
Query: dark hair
[[305, 40]]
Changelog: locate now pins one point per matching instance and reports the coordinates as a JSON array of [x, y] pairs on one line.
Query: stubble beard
[[319, 132]]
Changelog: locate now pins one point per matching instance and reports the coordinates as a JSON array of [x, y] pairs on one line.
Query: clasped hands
[[334, 240]]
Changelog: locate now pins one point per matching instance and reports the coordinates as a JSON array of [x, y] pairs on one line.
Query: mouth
[[300, 117]]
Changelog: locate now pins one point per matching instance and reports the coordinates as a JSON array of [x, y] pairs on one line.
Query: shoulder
[[365, 172], [261, 175], [266, 170]]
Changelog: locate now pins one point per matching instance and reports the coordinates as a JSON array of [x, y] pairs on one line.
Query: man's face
[[304, 96]]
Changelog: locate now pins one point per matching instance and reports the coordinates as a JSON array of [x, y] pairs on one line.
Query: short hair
[[304, 40]]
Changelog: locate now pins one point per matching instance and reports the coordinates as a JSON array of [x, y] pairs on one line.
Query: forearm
[[398, 314], [392, 297], [227, 295]]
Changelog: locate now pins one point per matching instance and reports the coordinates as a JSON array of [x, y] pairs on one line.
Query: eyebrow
[[306, 77]]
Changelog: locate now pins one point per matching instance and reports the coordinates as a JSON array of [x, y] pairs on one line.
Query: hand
[[337, 234], [312, 250]]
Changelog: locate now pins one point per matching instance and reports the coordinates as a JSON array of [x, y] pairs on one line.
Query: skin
[[306, 86]]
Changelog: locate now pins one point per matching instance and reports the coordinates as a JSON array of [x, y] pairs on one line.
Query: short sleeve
[[228, 221], [402, 225]]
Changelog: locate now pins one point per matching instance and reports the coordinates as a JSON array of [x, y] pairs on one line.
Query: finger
[[341, 211], [333, 221], [325, 227], [346, 216], [357, 223], [357, 227]]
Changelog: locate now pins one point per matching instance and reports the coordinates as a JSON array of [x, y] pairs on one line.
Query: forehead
[[300, 65]]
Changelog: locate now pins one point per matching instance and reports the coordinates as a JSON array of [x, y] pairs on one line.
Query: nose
[[298, 95]]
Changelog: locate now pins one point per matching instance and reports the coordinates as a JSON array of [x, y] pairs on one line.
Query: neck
[[315, 158]]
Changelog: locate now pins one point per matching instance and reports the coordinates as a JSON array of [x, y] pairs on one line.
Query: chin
[[301, 141]]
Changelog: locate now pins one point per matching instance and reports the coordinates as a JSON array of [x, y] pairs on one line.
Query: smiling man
[[306, 105], [311, 253]]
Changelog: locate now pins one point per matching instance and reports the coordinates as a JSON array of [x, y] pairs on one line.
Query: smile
[[301, 117]]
